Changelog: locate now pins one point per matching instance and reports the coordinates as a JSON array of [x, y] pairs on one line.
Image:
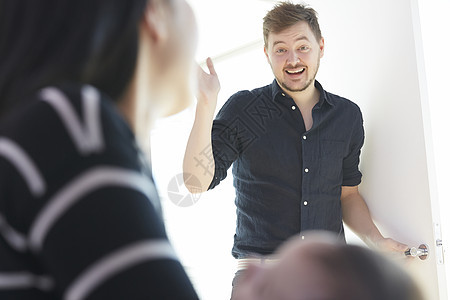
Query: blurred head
[[320, 268], [97, 42], [293, 45], [168, 40]]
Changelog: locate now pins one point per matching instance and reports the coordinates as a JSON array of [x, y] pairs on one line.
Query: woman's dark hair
[[52, 41]]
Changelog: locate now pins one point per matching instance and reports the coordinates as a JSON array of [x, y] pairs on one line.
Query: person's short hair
[[85, 41], [287, 14], [361, 273]]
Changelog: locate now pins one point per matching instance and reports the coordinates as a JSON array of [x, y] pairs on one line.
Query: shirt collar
[[324, 97]]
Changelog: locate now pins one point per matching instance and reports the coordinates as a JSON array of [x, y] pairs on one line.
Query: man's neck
[[306, 98]]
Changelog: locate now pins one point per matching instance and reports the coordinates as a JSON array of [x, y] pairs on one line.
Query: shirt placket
[[310, 148], [303, 202]]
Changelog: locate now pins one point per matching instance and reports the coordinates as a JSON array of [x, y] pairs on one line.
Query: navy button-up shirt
[[287, 179]]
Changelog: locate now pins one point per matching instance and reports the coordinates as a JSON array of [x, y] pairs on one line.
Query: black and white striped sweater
[[79, 213]]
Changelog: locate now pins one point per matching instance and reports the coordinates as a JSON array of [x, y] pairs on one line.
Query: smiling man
[[294, 147]]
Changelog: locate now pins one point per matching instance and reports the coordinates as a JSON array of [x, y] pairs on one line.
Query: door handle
[[420, 252]]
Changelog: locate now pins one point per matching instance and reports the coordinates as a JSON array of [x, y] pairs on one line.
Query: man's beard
[[287, 88], [308, 83]]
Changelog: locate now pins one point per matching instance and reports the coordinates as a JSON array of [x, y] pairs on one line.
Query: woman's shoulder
[[70, 128]]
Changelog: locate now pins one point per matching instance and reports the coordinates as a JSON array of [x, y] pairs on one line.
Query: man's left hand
[[390, 245]]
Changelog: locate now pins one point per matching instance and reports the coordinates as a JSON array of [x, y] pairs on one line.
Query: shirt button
[[304, 137], [293, 107], [306, 170], [305, 203], [283, 94]]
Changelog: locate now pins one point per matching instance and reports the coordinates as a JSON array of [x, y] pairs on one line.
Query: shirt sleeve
[[112, 244], [227, 142], [352, 174]]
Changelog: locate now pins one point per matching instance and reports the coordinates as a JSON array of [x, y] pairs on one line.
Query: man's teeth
[[295, 72]]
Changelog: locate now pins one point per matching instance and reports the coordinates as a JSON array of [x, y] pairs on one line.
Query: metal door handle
[[421, 252]]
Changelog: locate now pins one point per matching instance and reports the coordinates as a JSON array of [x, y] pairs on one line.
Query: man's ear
[[267, 55], [322, 47], [154, 22]]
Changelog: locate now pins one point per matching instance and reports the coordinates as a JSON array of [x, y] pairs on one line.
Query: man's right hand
[[208, 87]]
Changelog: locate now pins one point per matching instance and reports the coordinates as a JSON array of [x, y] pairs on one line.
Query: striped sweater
[[79, 214]]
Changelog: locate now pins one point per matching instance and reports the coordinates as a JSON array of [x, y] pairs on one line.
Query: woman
[[80, 83]]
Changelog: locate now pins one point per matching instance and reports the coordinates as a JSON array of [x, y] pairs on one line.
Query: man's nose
[[293, 58]]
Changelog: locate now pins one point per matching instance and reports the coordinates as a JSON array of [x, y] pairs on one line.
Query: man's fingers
[[210, 65], [402, 247], [397, 246]]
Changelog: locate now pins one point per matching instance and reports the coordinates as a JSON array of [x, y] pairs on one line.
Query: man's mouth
[[296, 71]]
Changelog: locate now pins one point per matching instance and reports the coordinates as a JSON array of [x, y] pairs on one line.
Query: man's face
[[294, 55]]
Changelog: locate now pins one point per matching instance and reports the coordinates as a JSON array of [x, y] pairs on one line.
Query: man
[[323, 268], [295, 147]]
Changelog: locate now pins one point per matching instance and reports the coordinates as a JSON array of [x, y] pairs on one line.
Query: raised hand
[[208, 86]]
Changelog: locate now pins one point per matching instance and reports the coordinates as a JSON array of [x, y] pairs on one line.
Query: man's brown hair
[[287, 14]]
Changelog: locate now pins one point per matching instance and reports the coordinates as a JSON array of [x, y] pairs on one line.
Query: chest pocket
[[331, 159]]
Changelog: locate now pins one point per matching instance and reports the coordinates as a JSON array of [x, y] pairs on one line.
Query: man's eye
[[281, 51], [304, 48]]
